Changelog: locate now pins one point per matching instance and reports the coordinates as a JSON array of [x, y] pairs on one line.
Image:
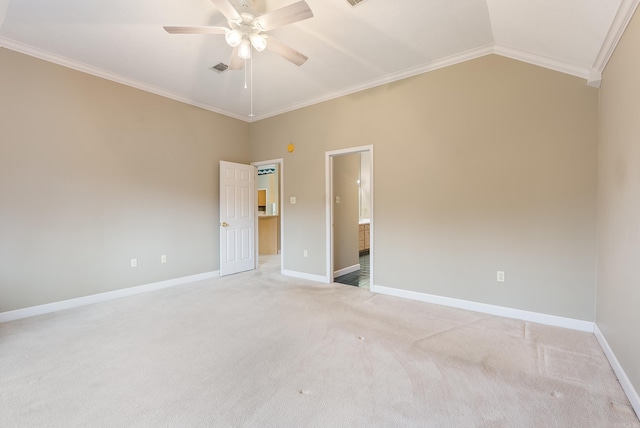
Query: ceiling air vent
[[220, 67], [354, 3]]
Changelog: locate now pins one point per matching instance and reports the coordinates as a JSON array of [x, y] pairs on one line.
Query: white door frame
[[280, 162], [329, 208]]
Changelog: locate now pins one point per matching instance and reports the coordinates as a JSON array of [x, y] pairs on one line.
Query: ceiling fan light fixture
[[244, 51], [233, 38], [259, 42]]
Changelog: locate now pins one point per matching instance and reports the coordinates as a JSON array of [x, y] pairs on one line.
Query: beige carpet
[[261, 350]]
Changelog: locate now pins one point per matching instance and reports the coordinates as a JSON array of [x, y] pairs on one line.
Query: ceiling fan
[[247, 28]]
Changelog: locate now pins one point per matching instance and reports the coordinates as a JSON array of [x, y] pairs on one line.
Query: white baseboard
[[626, 384], [501, 311], [101, 297], [346, 270], [303, 275]]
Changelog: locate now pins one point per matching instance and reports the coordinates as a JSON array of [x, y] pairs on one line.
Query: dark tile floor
[[359, 278]]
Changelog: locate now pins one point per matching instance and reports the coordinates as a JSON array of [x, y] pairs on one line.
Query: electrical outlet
[[292, 200], [500, 276], [163, 258], [134, 262], [337, 199], [305, 253]]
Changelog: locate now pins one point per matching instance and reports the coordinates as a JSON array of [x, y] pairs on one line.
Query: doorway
[[349, 206], [270, 213]]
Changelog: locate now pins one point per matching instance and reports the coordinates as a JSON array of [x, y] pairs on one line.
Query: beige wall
[[487, 165], [483, 166], [346, 170], [618, 296], [92, 174]]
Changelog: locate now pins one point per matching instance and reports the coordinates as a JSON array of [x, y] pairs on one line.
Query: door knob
[[224, 224]]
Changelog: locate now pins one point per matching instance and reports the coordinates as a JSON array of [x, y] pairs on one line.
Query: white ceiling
[[349, 48]]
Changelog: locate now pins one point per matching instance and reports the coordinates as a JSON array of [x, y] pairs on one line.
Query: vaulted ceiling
[[350, 48]]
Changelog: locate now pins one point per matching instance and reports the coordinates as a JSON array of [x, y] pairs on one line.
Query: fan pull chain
[[251, 83]]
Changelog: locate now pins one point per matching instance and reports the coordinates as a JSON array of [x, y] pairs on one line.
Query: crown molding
[[595, 78], [389, 78], [98, 72], [593, 75], [542, 61], [618, 26]]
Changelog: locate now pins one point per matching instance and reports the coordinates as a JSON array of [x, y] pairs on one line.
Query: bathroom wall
[[365, 185], [346, 171]]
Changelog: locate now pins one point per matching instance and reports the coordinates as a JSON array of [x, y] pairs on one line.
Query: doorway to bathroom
[[350, 228]]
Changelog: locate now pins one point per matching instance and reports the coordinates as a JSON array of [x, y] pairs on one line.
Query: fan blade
[[285, 15], [227, 10], [196, 30], [276, 46], [235, 62]]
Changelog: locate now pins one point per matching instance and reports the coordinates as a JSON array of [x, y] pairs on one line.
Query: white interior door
[[237, 218]]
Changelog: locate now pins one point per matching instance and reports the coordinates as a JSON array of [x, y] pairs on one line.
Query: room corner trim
[[303, 275], [101, 297], [626, 384], [595, 78], [618, 26], [500, 311]]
